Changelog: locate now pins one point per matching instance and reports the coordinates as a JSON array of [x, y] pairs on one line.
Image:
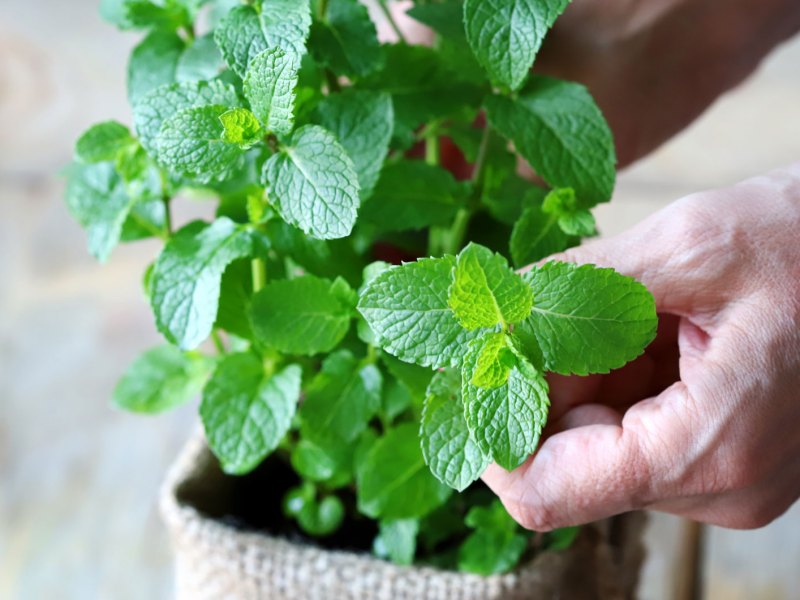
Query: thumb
[[595, 470]]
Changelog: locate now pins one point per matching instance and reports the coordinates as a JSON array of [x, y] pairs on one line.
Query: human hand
[[655, 65], [705, 425]]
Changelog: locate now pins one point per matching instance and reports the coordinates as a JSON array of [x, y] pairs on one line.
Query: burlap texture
[[215, 560]]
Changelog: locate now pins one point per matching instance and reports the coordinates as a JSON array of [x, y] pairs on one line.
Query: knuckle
[[694, 222]]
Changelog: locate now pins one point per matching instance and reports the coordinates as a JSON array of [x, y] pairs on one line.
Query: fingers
[[577, 476], [598, 465]]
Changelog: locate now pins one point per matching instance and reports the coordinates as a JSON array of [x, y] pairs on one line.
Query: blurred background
[[78, 480]]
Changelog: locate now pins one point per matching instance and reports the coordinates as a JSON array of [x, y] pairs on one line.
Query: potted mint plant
[[361, 343]]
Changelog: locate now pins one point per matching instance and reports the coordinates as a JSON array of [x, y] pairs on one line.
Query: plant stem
[[217, 341], [392, 23], [432, 155], [166, 200], [167, 217], [322, 10], [432, 150], [480, 161], [258, 268], [454, 236]]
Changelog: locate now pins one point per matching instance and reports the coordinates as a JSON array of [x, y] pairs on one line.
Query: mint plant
[[385, 386]]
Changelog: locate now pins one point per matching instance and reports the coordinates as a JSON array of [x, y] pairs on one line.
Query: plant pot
[[218, 559]]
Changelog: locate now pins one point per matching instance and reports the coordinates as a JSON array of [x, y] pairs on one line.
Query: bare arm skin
[[720, 443], [655, 65]]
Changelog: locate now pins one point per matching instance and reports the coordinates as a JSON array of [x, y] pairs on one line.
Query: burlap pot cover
[[215, 560]]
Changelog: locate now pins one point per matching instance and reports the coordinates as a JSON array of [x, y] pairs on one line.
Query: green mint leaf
[[561, 539], [560, 201], [245, 33], [505, 35], [240, 38], [138, 171], [199, 62], [186, 278], [312, 184], [363, 122], [97, 200], [193, 143], [297, 498], [144, 14], [235, 296], [494, 517], [579, 223], [422, 87], [535, 236], [444, 18], [300, 316], [397, 540], [146, 219], [415, 378], [160, 379], [393, 481], [331, 258], [153, 63], [496, 544], [396, 399], [560, 131], [269, 88], [246, 414], [587, 319], [341, 400], [103, 142], [507, 195], [346, 41], [323, 518], [406, 307], [494, 362], [506, 421], [562, 204], [286, 24], [113, 11], [412, 194], [240, 127], [447, 444], [485, 291], [316, 462], [150, 111]]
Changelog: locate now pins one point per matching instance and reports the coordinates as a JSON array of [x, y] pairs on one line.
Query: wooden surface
[[78, 480]]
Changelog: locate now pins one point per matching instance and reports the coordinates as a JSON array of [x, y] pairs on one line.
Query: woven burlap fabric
[[215, 560]]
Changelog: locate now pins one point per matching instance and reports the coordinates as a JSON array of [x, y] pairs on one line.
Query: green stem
[[322, 10], [432, 150], [166, 200], [145, 224], [167, 217], [480, 161], [258, 267], [392, 23], [455, 235], [217, 341], [432, 155]]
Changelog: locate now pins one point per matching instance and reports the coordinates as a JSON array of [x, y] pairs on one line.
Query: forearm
[[656, 65]]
